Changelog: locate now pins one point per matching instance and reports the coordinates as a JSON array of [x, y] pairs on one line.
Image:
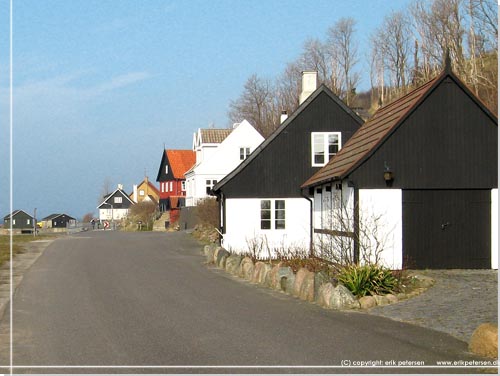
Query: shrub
[[368, 279], [207, 212]]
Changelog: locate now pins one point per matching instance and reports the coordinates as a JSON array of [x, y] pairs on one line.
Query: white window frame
[[166, 169], [118, 200], [276, 222], [209, 184], [171, 186], [244, 152], [141, 192], [326, 155]]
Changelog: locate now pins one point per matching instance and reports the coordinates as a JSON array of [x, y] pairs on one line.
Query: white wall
[[494, 228], [243, 226], [116, 214], [383, 209]]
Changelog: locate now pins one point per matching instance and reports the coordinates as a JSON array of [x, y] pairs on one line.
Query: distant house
[[58, 221], [145, 191], [115, 205], [426, 167], [234, 149], [205, 144], [173, 166], [20, 220], [261, 204]]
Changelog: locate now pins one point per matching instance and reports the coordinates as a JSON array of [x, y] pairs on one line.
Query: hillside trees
[[406, 50]]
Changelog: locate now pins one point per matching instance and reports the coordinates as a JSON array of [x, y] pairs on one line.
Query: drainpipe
[[351, 184], [222, 216], [311, 229]]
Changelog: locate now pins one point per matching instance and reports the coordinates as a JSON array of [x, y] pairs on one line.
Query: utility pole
[[34, 223]]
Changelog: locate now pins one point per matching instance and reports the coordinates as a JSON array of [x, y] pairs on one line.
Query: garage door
[[447, 229]]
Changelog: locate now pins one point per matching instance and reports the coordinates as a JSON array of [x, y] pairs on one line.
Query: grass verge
[[18, 243]]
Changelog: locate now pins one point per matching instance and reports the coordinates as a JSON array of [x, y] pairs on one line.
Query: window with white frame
[[209, 184], [171, 186], [244, 153], [324, 146], [28, 221], [118, 200], [141, 192], [166, 169], [272, 212]]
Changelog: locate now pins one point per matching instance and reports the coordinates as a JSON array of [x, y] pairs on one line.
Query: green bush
[[364, 280]]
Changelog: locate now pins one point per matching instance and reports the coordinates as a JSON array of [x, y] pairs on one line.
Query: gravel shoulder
[[457, 304]]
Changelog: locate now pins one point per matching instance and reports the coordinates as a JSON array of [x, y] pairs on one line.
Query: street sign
[[106, 225]]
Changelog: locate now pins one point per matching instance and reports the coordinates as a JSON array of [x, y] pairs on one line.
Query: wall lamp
[[388, 174]]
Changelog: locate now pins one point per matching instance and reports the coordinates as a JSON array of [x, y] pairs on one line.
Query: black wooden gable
[[279, 166], [125, 203], [163, 175], [449, 141]]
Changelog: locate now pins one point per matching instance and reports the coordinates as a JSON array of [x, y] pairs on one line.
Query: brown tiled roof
[[214, 136], [365, 140], [180, 161]]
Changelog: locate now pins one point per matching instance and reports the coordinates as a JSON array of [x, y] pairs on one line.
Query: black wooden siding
[[111, 201], [61, 221], [162, 176], [447, 229], [284, 164], [448, 142], [21, 219]]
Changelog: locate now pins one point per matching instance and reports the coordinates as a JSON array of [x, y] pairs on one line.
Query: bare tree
[[343, 50], [314, 57], [145, 212], [288, 87], [87, 217], [392, 40], [105, 190], [256, 104]]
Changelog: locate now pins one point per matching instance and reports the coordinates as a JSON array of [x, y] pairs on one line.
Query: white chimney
[[309, 84], [120, 187], [134, 197], [283, 117]]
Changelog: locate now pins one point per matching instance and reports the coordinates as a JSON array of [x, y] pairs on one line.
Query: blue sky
[[101, 85]]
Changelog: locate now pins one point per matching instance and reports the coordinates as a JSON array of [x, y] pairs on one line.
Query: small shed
[[426, 167], [58, 221]]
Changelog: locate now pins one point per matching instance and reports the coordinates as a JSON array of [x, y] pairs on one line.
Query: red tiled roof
[[370, 135], [180, 161]]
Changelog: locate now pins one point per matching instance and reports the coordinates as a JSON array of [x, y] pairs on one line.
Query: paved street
[[147, 299]]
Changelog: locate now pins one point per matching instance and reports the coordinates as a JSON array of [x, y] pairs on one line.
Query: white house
[[213, 164], [262, 208], [115, 206]]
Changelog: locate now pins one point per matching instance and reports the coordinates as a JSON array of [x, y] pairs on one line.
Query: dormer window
[[244, 153], [324, 146]]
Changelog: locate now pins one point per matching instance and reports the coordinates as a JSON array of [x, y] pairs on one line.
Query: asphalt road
[[147, 299]]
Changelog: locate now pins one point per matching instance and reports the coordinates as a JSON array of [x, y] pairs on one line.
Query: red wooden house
[[174, 164]]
